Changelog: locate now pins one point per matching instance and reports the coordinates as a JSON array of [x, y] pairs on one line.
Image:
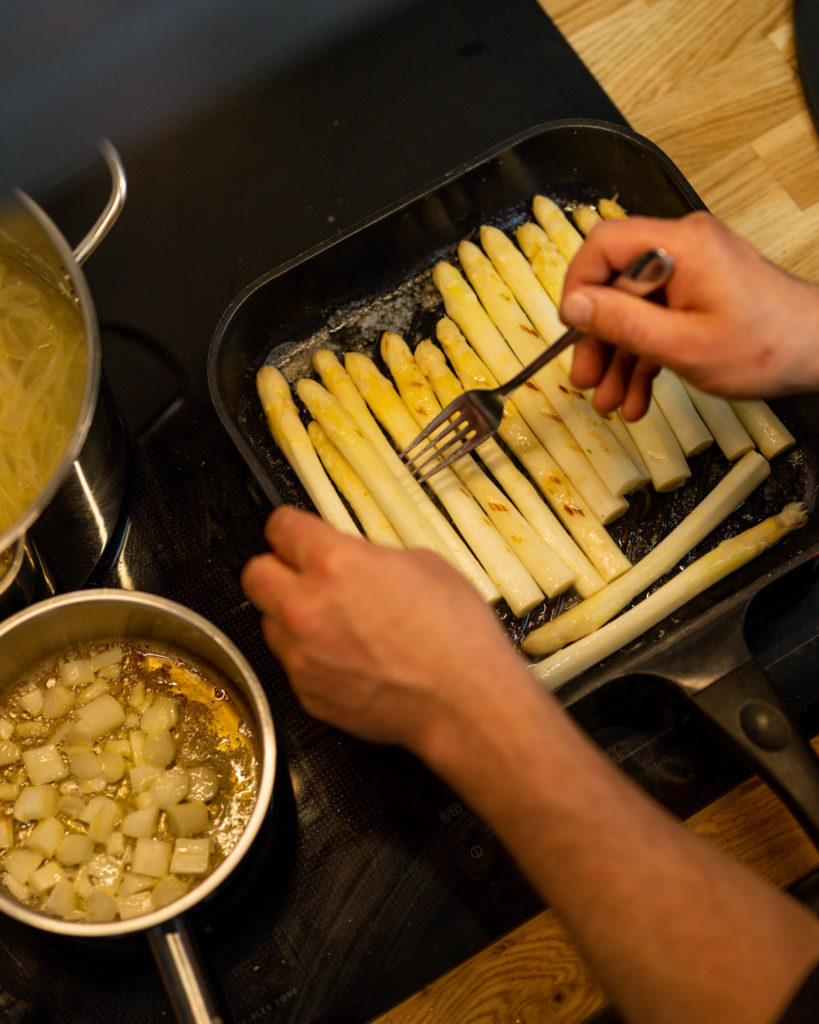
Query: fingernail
[[578, 309]]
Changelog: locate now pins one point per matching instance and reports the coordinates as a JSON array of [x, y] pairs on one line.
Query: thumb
[[632, 323]]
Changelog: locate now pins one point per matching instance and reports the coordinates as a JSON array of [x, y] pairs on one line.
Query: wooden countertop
[[714, 84]]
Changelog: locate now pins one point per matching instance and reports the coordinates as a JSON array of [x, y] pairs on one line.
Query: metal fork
[[476, 414]]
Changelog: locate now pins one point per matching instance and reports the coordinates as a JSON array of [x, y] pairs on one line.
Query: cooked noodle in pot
[[42, 376]]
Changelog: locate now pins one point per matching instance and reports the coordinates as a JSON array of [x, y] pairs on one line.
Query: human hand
[[384, 644], [734, 325]]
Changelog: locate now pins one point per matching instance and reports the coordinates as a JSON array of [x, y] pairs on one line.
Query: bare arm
[[395, 647], [735, 324]]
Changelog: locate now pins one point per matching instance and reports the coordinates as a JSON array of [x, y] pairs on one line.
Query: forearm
[[674, 930]]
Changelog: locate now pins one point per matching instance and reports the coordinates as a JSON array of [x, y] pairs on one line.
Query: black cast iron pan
[[378, 276]]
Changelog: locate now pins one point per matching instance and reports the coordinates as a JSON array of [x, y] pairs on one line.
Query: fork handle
[[643, 276]]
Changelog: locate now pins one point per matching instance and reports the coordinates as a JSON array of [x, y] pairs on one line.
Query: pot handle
[[746, 707], [187, 987], [113, 207]]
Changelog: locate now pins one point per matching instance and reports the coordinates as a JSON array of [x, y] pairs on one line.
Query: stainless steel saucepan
[[86, 484], [46, 630]]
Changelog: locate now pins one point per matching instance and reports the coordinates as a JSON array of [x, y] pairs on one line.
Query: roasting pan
[[377, 276]]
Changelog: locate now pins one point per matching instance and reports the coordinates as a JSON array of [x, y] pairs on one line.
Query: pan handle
[[113, 208], [187, 987], [745, 706]]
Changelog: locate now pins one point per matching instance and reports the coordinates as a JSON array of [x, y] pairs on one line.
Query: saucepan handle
[[185, 983], [113, 208], [745, 706]]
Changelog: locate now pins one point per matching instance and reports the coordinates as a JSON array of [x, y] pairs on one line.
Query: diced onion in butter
[[36, 802], [21, 863], [32, 701], [44, 764], [162, 714], [132, 883], [6, 834], [151, 857], [75, 849], [189, 818], [140, 824], [101, 715], [62, 901], [170, 787], [111, 656], [167, 890], [100, 905], [76, 672], [45, 837], [45, 877], [134, 906], [190, 856], [9, 752], [160, 748], [57, 701]]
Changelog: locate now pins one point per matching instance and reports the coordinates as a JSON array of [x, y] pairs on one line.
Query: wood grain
[[713, 83]]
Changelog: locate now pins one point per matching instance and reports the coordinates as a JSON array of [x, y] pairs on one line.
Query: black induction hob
[[370, 877]]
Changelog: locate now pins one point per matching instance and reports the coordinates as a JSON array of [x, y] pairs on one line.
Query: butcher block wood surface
[[714, 84]]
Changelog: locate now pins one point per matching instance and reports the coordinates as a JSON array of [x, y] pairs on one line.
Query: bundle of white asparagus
[[525, 517]]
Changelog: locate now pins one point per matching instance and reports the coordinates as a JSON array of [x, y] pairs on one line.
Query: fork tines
[[447, 437]]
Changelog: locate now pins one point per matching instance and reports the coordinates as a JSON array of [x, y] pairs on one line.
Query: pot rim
[[92, 374], [266, 743]]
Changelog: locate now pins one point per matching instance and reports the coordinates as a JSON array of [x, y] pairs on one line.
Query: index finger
[[611, 245], [297, 537]]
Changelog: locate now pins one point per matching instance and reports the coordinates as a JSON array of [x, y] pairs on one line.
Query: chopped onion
[[104, 659], [32, 701], [101, 716], [76, 672], [151, 857], [186, 819], [75, 849], [140, 824], [35, 802], [190, 856], [45, 837], [9, 752], [56, 702]]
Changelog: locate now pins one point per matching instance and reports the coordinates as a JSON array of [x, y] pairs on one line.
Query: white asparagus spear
[[423, 406], [339, 383], [732, 438], [589, 429], [462, 305], [725, 558], [290, 435], [676, 405], [402, 512], [649, 444], [590, 535], [488, 546], [610, 209], [585, 217], [368, 512], [548, 264], [618, 428], [559, 547], [557, 226], [659, 448], [740, 481], [769, 433], [522, 282]]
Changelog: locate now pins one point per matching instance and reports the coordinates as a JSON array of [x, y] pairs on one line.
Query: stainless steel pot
[[46, 629], [85, 488]]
